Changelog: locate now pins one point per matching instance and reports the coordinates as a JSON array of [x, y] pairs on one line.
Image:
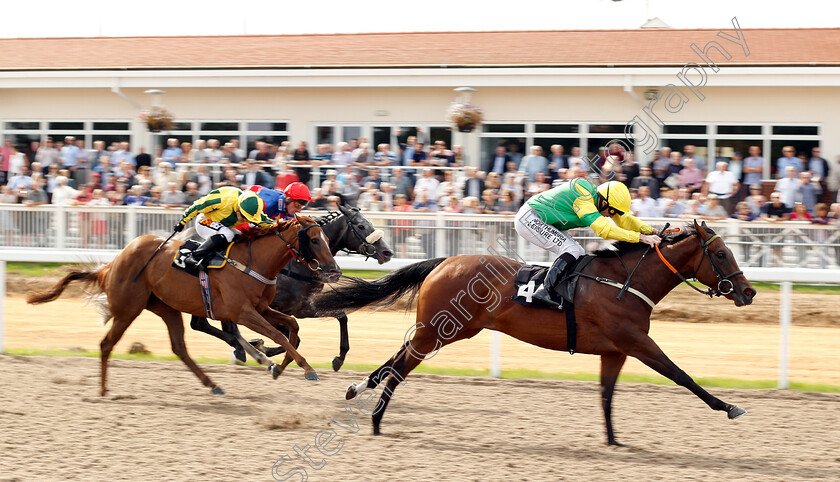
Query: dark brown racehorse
[[462, 295], [236, 296]]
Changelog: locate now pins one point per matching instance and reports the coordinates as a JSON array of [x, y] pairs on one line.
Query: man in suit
[[254, 175], [473, 185], [499, 160]]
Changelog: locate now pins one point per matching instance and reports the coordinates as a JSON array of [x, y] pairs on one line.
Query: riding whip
[[152, 256]]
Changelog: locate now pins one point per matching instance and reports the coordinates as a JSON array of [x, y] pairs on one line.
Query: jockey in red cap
[[284, 204]]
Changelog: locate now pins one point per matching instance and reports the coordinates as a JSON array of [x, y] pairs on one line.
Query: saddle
[[529, 278], [216, 261]]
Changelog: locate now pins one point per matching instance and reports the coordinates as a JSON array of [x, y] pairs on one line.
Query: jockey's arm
[[202, 205], [627, 227]]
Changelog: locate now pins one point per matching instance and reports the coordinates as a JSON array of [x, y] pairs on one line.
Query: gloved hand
[[178, 228]]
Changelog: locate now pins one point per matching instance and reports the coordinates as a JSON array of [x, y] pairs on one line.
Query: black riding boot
[[546, 292], [195, 260]]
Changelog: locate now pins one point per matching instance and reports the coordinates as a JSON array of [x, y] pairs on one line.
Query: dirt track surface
[[166, 426]]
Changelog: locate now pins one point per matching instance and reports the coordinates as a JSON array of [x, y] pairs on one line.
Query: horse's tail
[[93, 277], [352, 293]]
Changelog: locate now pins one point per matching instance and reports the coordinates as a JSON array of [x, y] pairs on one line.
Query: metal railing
[[418, 235]]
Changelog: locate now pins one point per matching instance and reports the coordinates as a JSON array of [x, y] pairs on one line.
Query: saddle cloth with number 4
[[530, 278]]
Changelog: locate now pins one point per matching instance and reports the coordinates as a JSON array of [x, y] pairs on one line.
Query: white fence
[[412, 236]]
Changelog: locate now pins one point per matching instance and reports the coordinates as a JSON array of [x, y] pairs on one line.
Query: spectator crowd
[[414, 176]]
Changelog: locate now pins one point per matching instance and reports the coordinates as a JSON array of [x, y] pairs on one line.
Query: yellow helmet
[[251, 207], [616, 195]]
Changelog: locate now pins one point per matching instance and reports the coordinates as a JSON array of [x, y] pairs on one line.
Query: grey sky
[[90, 18]]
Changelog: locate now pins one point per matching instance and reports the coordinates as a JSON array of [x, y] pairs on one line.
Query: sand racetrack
[[167, 427]]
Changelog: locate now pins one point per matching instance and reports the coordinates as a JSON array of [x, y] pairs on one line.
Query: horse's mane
[[279, 226], [620, 248], [328, 218]]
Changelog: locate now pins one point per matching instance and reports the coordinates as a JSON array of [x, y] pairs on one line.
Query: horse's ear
[[343, 209], [702, 230], [696, 227]]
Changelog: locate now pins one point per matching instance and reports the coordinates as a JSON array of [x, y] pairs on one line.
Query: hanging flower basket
[[157, 119], [464, 117]]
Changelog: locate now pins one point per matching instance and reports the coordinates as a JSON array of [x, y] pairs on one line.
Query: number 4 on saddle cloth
[[215, 260], [529, 278]]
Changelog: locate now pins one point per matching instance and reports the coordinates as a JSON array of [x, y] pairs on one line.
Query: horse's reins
[[366, 247], [721, 279]]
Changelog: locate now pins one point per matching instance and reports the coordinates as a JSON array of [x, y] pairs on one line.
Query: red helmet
[[299, 191]]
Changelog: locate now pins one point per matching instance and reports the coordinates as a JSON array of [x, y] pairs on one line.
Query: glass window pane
[[324, 135], [607, 128], [557, 128], [220, 126], [111, 138], [381, 135], [22, 125], [252, 140], [676, 129], [111, 126], [739, 130], [351, 132], [504, 128], [267, 126], [440, 134], [795, 130], [181, 126], [66, 125], [514, 146], [59, 136]]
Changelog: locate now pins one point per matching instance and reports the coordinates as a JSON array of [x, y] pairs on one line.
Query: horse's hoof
[[351, 392], [336, 363], [257, 343], [217, 391], [271, 352], [238, 355], [275, 371], [614, 443], [312, 377], [736, 412]]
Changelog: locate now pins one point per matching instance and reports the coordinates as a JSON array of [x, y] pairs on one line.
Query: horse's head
[[719, 270], [362, 237], [314, 249]]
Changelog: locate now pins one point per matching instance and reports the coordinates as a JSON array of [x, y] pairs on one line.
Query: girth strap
[[618, 285], [204, 282], [571, 328], [247, 270]]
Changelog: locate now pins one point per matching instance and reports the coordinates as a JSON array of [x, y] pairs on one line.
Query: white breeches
[[215, 227], [529, 225]]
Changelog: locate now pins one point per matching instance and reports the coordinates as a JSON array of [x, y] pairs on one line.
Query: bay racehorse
[[236, 296], [347, 230], [462, 295]]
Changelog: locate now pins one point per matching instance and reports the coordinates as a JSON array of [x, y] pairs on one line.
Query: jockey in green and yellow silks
[[217, 215], [544, 219]]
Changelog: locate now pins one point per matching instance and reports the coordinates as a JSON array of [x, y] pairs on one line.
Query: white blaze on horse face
[[324, 238]]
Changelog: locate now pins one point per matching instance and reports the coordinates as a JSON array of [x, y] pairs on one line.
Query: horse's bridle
[[722, 280], [297, 252], [366, 247]]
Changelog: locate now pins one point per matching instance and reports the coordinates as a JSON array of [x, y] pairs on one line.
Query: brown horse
[[462, 295], [236, 296]]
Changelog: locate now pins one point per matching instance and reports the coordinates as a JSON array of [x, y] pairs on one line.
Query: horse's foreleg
[[175, 325], [649, 353], [199, 323], [277, 318], [256, 322], [344, 344], [610, 367], [242, 344]]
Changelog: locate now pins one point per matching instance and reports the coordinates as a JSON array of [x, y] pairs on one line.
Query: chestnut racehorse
[[236, 296], [462, 295]]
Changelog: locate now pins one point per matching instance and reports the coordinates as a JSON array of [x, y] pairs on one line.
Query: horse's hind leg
[[118, 327], [648, 352], [175, 325], [344, 344], [610, 367]]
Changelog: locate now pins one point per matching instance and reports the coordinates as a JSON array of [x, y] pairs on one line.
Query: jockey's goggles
[[300, 202]]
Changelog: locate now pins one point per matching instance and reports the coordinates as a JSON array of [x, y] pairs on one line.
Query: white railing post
[[440, 235], [2, 302], [60, 226], [495, 354], [734, 232], [784, 331], [130, 224]]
